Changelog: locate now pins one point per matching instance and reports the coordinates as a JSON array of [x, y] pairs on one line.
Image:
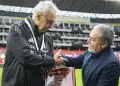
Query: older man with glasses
[[29, 51]]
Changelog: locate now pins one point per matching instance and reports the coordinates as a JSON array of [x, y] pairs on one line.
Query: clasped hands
[[59, 59]]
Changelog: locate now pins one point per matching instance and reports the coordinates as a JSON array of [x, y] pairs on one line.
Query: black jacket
[[24, 65]]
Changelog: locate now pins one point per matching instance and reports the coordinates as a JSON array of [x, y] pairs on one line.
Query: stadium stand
[[67, 35]]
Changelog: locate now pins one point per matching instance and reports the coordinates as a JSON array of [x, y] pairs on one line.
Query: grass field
[[78, 77], [0, 75]]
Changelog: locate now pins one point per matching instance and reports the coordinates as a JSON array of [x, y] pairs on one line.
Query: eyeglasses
[[51, 22]]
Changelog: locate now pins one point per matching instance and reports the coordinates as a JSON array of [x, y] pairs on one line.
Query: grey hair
[[44, 7], [106, 33]]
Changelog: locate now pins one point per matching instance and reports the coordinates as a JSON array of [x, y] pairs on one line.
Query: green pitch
[[78, 77], [0, 75]]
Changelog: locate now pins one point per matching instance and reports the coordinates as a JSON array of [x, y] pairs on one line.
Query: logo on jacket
[[31, 40], [32, 47]]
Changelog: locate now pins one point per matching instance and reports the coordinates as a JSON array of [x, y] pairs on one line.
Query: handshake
[[59, 60]]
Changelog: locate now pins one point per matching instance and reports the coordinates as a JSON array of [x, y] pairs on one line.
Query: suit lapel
[[97, 62], [84, 63], [86, 59]]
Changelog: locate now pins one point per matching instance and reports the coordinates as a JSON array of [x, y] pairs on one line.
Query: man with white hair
[[100, 66], [29, 51]]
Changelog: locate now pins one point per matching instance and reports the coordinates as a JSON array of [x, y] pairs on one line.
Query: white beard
[[94, 51]]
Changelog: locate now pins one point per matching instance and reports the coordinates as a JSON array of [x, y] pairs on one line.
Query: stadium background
[[73, 24]]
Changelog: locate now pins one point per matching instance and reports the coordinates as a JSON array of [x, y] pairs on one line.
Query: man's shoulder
[[19, 27], [111, 58], [19, 23]]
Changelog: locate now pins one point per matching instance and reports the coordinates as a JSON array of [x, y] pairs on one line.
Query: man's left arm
[[109, 76], [74, 62]]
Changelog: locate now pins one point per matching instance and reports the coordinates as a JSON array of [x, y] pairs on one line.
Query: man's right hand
[[59, 59]]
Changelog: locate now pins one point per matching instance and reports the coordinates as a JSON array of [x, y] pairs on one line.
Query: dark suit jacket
[[104, 73]]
